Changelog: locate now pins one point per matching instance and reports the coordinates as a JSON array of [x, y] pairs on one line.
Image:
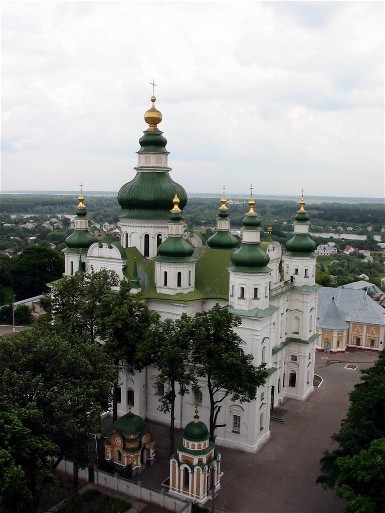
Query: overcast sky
[[282, 95]]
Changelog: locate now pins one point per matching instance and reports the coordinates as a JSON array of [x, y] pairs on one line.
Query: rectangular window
[[306, 273], [232, 291], [236, 424], [256, 293], [242, 293], [293, 358], [160, 390], [372, 342], [358, 341], [118, 394], [295, 271]]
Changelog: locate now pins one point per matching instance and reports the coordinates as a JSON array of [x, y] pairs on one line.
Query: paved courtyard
[[281, 476]]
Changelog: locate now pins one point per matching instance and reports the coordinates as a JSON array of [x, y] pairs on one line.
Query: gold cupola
[[153, 116]]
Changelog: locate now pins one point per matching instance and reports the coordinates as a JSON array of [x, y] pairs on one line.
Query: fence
[[134, 490]]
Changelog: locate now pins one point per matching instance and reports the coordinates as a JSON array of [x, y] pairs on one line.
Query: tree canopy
[[356, 469], [33, 269], [68, 381], [218, 354]]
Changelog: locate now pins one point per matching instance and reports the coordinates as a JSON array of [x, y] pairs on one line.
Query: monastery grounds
[[281, 477]]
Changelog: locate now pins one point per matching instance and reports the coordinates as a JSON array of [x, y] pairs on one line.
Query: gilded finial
[[223, 200], [152, 116], [81, 197], [176, 209], [251, 203], [302, 204]]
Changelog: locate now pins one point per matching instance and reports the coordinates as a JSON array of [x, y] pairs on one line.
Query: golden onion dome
[[152, 116]]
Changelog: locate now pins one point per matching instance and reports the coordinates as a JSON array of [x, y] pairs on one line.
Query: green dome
[[129, 424], [148, 196], [175, 247], [153, 142], [250, 255], [196, 431], [80, 239], [222, 239], [301, 243]]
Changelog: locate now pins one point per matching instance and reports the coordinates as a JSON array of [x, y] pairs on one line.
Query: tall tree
[[123, 324], [217, 351], [25, 467], [359, 438], [168, 348], [33, 269], [76, 301], [69, 382]]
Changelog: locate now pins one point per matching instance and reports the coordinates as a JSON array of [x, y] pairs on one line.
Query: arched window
[[165, 279], [72, 267], [179, 279], [189, 278], [119, 456], [279, 385], [158, 239], [186, 478], [283, 382], [130, 397], [296, 323], [126, 240], [292, 379], [146, 245]]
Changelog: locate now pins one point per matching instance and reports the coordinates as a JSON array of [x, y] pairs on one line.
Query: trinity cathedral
[[272, 290]]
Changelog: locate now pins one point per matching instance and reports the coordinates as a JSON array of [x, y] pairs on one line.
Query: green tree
[[123, 324], [76, 301], [364, 424], [217, 352], [33, 269], [169, 351], [69, 382], [361, 479], [324, 279], [25, 467]]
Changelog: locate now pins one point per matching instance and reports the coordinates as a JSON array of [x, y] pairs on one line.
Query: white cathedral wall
[[134, 231], [300, 269]]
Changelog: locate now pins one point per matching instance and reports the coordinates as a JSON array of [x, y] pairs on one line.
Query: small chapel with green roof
[[271, 288]]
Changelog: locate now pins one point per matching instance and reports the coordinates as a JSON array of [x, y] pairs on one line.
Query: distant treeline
[[199, 210]]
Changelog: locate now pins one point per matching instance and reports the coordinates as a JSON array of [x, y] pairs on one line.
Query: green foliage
[[24, 465], [68, 380], [324, 279], [218, 354], [33, 269], [356, 468], [168, 349]]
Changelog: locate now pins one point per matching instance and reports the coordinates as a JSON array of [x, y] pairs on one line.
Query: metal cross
[[81, 188], [153, 87], [224, 190], [251, 190]]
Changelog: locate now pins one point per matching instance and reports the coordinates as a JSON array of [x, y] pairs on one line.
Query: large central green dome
[[148, 195]]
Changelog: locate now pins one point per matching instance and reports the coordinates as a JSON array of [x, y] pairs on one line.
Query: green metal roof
[[223, 239], [301, 243], [196, 431], [129, 424], [149, 196]]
